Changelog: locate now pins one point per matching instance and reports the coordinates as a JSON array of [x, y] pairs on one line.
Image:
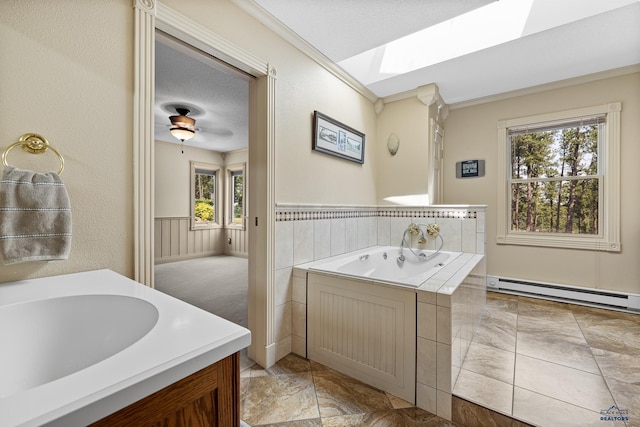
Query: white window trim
[[229, 196], [609, 237], [217, 222]]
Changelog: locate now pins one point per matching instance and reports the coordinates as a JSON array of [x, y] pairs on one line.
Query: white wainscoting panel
[[364, 330]]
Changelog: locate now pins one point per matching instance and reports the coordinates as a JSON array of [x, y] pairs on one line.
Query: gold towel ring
[[33, 143]]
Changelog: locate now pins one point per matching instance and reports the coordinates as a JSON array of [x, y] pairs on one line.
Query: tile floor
[[553, 364], [542, 362], [298, 393]]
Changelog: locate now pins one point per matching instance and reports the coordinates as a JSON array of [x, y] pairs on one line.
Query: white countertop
[[184, 340]]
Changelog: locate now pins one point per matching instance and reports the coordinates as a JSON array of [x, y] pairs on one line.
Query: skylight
[[494, 24], [479, 29]]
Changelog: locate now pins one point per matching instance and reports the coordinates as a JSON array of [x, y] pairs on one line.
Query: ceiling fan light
[[183, 127], [182, 134]]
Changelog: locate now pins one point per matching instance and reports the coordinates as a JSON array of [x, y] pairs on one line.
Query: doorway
[[200, 237], [150, 16]]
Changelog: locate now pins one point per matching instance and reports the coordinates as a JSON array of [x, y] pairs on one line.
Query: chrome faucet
[[414, 230], [432, 230]]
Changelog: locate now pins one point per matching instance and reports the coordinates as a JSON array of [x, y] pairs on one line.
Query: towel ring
[[35, 144]]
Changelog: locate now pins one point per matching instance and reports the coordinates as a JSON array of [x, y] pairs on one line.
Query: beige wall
[[174, 239], [173, 177], [472, 134], [302, 175], [406, 172], [67, 73]]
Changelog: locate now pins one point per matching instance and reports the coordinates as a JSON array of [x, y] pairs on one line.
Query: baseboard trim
[[165, 260], [613, 300]]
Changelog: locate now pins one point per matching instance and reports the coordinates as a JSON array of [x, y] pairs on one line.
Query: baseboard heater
[[565, 293]]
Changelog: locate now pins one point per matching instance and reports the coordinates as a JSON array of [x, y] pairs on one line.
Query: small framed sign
[[470, 169]]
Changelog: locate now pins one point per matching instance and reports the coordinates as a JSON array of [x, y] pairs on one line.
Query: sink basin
[[48, 339]]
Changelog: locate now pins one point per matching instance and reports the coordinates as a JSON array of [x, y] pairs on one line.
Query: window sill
[[204, 226], [233, 226], [587, 243]]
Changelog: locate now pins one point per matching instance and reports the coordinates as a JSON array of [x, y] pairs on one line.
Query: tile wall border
[[287, 212]]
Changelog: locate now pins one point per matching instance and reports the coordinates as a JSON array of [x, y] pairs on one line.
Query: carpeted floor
[[217, 284]]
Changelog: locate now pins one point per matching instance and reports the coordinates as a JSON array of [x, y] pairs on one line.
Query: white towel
[[35, 217]]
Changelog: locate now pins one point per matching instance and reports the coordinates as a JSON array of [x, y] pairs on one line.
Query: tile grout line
[[315, 390], [604, 378], [515, 358], [569, 306]]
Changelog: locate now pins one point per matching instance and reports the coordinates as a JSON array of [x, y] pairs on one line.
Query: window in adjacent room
[[205, 212], [559, 179], [235, 196]]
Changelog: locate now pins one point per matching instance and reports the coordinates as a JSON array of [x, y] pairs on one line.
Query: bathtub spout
[[415, 230], [404, 235]]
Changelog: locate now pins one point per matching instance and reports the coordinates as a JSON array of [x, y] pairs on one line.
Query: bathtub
[[381, 263]]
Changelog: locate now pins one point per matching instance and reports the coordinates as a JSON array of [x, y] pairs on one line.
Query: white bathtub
[[381, 263]]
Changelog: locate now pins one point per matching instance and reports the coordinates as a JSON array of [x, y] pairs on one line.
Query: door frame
[[149, 16]]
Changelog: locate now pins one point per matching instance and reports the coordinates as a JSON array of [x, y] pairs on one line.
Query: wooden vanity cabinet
[[207, 398]]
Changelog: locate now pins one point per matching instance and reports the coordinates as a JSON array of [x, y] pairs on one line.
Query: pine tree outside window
[[559, 180]]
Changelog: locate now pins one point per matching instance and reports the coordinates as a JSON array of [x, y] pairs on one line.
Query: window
[[235, 196], [205, 212], [559, 179]]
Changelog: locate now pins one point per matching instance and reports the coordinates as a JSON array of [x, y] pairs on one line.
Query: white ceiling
[[216, 94], [344, 28], [560, 39]]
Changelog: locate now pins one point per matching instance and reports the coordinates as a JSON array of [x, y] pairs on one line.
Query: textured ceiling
[[217, 95]]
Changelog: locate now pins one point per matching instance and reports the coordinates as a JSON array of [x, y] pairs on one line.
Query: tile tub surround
[[306, 233], [449, 307]]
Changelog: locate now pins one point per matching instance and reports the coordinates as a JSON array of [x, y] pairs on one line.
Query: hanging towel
[[35, 217]]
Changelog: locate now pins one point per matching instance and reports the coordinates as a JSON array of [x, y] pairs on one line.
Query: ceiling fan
[[182, 126]]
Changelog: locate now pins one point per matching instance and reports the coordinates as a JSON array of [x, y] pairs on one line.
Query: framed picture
[[332, 137]]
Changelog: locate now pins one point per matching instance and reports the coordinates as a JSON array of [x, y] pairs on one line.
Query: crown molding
[[412, 93], [616, 72], [262, 16]]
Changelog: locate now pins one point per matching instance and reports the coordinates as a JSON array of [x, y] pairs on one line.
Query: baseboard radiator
[[565, 293]]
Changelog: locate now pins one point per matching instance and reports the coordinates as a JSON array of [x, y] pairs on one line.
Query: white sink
[[44, 340], [77, 347]]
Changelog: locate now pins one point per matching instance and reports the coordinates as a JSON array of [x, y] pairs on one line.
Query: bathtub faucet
[[414, 229]]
